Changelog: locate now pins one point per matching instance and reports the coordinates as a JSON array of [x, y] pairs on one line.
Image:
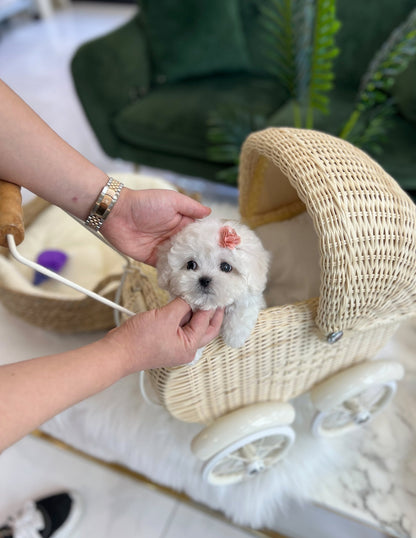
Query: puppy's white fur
[[195, 255]]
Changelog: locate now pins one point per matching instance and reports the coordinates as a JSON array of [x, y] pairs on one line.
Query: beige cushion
[[294, 272]]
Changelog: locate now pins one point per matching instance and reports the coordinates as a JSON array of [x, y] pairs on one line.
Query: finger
[[186, 319], [218, 318], [197, 326], [189, 207], [213, 327], [178, 310], [204, 326]]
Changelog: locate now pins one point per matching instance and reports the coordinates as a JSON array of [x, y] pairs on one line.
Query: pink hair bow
[[228, 238]]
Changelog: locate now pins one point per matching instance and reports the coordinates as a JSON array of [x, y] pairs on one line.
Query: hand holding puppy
[[168, 336], [141, 220]]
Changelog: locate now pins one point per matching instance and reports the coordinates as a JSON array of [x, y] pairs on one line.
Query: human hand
[[168, 336], [142, 219]]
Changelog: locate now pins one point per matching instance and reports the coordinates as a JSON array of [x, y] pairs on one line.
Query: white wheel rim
[[249, 456], [355, 411]]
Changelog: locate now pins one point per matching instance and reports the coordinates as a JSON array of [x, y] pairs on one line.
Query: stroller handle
[[11, 213]]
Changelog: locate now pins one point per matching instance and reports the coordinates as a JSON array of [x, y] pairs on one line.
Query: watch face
[[103, 205]]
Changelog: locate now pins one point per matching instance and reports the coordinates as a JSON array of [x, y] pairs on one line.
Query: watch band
[[104, 204]]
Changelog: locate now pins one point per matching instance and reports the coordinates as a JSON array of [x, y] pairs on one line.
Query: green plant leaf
[[391, 60], [286, 42], [228, 175], [373, 128], [278, 41], [324, 51], [227, 128]]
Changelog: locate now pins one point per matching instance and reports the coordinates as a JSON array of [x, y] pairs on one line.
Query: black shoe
[[54, 516]]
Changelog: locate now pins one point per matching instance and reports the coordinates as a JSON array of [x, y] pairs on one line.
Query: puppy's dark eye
[[192, 265], [226, 267]]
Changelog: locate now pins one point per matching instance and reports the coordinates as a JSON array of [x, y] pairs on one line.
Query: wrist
[[112, 356], [118, 346], [104, 204], [120, 210]]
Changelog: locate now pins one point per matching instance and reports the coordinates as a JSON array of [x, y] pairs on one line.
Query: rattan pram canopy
[[366, 224]]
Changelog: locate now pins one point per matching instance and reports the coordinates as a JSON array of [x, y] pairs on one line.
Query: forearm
[[34, 156], [35, 390]]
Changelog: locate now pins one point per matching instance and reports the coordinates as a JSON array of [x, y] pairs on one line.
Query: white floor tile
[[190, 523], [113, 504]]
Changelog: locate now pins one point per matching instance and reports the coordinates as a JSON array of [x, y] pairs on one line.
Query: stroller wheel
[[353, 397], [249, 456], [245, 442]]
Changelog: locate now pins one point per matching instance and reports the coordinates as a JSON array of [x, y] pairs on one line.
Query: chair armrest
[[109, 73]]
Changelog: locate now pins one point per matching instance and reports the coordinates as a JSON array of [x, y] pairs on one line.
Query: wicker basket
[[66, 315], [366, 227]]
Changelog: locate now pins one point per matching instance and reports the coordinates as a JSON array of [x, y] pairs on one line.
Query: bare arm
[[35, 390], [32, 155]]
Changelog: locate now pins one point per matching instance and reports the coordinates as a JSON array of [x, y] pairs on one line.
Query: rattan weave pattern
[[140, 291], [285, 357], [63, 315], [365, 222]]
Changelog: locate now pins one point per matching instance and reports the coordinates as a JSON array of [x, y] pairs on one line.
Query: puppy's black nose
[[204, 281]]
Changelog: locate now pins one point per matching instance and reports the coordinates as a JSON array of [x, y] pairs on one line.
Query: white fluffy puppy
[[217, 263]]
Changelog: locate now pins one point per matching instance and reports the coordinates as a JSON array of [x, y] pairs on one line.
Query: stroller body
[[366, 230]]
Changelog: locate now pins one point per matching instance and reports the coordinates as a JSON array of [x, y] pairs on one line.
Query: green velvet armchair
[[149, 87]]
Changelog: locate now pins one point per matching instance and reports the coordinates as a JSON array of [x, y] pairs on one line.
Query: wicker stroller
[[366, 227]]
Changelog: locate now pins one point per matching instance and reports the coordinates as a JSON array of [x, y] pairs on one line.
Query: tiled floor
[[113, 504]]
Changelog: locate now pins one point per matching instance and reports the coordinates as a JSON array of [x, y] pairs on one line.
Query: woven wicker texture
[[139, 290], [284, 357], [366, 227], [84, 314], [61, 315], [365, 222]]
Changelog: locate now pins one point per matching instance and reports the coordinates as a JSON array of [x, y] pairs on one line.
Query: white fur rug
[[118, 425]]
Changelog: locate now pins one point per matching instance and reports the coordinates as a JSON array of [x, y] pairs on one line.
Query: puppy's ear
[[257, 269], [162, 265]]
